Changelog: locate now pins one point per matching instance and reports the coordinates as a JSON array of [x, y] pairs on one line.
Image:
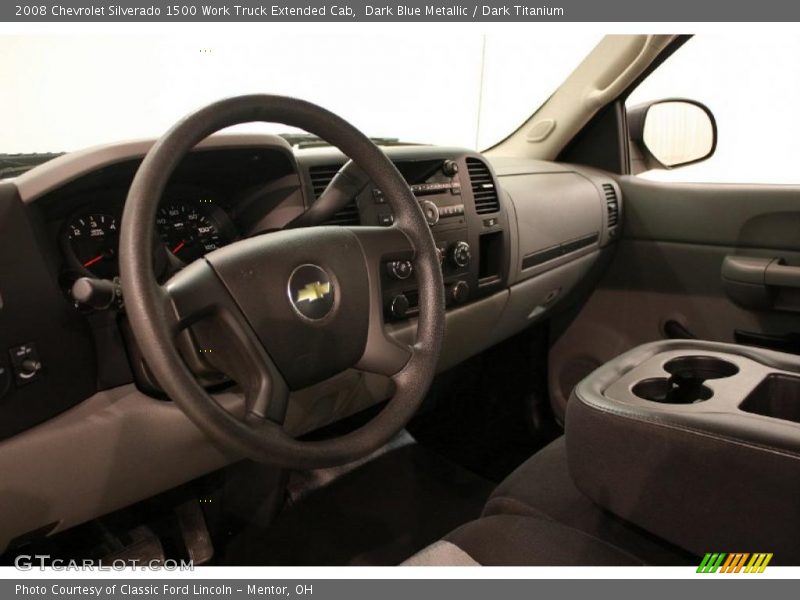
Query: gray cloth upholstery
[[542, 487], [441, 554], [513, 540]]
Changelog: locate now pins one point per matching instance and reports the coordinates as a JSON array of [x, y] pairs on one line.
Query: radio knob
[[431, 212], [398, 307], [459, 293], [450, 168], [400, 269], [460, 254]]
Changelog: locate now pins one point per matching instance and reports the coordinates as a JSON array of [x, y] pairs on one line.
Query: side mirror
[[667, 134]]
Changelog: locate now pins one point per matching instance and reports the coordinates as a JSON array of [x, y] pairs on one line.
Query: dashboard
[[214, 198], [516, 238]]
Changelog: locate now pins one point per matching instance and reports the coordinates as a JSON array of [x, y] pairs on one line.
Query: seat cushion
[[514, 540], [542, 487]]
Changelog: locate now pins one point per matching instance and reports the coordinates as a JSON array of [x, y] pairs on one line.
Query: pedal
[[194, 532], [145, 548]]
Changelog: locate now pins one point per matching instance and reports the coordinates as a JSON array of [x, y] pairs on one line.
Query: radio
[[437, 200], [443, 206]]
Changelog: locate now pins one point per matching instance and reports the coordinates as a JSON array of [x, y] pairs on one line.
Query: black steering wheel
[[284, 310]]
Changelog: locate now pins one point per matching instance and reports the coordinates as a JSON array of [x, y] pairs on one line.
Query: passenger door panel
[[669, 269]]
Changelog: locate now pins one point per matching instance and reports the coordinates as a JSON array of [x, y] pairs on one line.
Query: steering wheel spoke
[[217, 343], [383, 354]]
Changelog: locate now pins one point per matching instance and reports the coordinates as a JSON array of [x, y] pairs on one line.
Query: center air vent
[[321, 176], [483, 187], [612, 204]]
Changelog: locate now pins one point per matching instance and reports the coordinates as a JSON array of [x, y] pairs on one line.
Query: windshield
[[66, 92]]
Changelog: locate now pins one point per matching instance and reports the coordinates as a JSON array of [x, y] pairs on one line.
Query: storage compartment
[[778, 396], [685, 384], [491, 257]]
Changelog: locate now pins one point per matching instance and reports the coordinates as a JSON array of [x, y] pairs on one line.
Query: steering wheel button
[[400, 269]]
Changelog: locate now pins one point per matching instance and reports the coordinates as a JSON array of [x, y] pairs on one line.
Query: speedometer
[[188, 230]]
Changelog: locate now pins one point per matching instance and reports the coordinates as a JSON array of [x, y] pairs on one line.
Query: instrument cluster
[[189, 223]]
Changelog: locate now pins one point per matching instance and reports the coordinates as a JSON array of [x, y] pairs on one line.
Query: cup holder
[[685, 384], [700, 368], [661, 389]]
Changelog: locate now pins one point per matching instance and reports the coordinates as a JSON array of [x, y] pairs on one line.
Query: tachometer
[[93, 239], [188, 230]]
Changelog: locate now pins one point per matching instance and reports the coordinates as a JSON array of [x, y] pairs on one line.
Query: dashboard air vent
[[612, 204], [321, 176], [483, 187]]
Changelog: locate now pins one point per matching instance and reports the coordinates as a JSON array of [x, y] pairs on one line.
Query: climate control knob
[[398, 307], [431, 212], [460, 254], [400, 269], [459, 292]]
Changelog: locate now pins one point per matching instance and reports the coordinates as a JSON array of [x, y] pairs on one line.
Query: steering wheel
[[285, 310]]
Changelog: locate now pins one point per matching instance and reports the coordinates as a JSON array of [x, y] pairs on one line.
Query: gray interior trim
[[717, 416], [121, 446], [466, 330], [709, 462], [552, 209], [55, 173], [532, 299], [113, 449], [441, 554], [505, 166], [745, 216]]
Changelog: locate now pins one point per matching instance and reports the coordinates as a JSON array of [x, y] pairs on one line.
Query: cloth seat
[[515, 540], [537, 517]]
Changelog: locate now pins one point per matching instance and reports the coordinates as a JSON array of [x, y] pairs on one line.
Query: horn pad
[[305, 292]]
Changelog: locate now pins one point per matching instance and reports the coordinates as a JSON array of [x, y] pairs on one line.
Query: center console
[[462, 203], [460, 200], [696, 442]]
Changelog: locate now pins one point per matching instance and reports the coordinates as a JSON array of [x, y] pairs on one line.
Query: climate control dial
[[460, 254]]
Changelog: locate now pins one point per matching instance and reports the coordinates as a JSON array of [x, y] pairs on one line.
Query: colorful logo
[[737, 562]]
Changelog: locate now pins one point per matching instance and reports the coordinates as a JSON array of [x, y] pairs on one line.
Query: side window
[[751, 84]]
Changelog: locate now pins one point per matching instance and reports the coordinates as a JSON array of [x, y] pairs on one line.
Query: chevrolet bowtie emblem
[[313, 292]]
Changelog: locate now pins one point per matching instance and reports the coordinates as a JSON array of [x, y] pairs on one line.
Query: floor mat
[[379, 514]]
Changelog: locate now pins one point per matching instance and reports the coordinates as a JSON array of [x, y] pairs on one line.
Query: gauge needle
[[179, 247], [91, 261]]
